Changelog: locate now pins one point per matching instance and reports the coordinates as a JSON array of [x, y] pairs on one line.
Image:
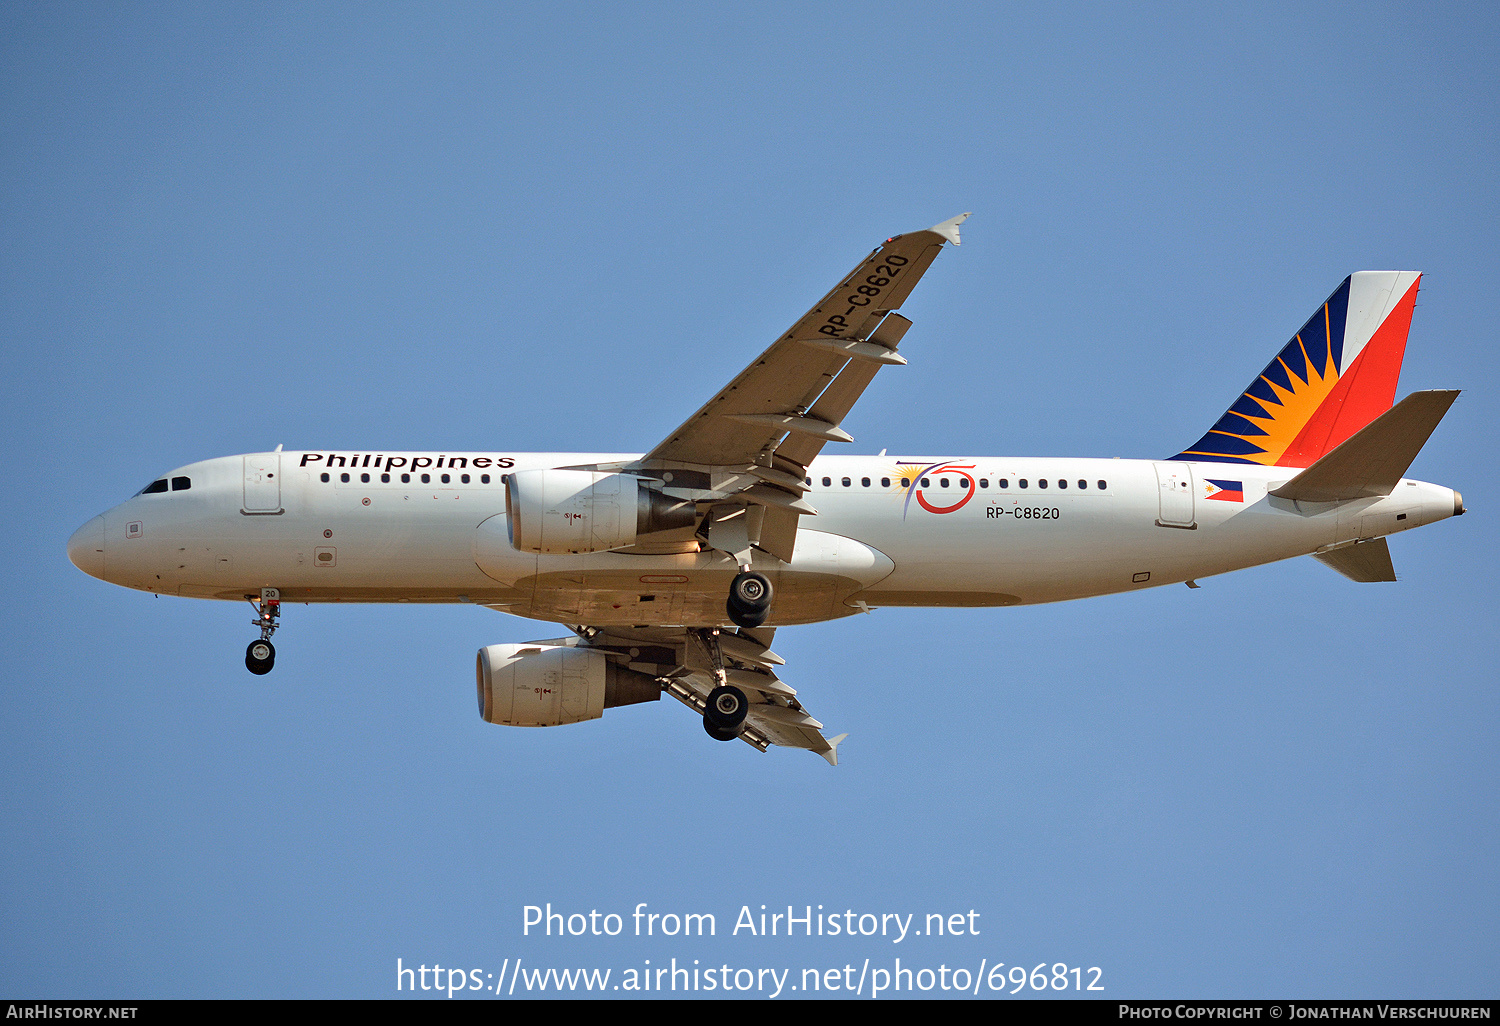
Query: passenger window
[[1042, 483], [427, 479], [385, 479], [364, 479], [181, 484], [906, 482], [943, 482], [406, 479], [846, 482], [325, 477], [809, 480], [445, 479], [464, 478], [885, 482], [864, 482], [963, 483], [926, 482], [1062, 482], [1082, 483], [1003, 483], [484, 479], [1102, 485], [154, 487], [827, 481], [984, 482], [1022, 482], [344, 478]]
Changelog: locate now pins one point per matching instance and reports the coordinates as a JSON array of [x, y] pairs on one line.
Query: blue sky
[[556, 227]]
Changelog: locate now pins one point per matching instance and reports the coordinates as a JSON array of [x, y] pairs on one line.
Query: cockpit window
[[181, 484], [154, 487]]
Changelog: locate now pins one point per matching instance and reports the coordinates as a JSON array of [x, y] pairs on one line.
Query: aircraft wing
[[756, 437], [686, 664]]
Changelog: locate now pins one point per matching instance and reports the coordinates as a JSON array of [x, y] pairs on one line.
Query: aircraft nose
[[86, 548]]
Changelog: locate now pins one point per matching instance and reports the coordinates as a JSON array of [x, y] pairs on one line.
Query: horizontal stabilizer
[[1366, 562], [1372, 461]]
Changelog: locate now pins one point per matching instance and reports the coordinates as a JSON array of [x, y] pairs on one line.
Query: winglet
[[832, 754], [949, 228]]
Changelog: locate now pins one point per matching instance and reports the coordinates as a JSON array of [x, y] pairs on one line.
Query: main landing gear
[[725, 710], [749, 599], [260, 655], [748, 605]]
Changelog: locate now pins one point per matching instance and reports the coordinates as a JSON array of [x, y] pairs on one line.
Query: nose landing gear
[[260, 655], [749, 599]]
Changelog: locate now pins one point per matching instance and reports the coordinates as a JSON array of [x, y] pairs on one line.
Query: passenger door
[[262, 483]]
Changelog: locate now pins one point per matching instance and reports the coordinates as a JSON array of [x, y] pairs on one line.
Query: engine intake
[[560, 511], [549, 685]]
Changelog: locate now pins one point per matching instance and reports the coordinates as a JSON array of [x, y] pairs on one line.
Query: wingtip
[[949, 228], [832, 754]]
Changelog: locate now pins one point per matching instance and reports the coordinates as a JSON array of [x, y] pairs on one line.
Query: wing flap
[[835, 402], [789, 728], [678, 658], [778, 532]]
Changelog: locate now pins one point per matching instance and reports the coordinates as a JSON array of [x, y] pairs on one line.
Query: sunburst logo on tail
[[1335, 376], [1276, 408]]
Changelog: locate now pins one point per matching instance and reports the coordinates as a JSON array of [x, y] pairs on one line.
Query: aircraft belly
[[678, 589], [623, 598]]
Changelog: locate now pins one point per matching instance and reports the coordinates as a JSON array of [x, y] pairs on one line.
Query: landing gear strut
[[725, 710], [749, 599], [260, 655]]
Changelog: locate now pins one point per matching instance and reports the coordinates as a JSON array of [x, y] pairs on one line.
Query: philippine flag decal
[[1224, 491]]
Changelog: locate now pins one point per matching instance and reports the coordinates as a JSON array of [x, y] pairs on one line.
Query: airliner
[[673, 569]]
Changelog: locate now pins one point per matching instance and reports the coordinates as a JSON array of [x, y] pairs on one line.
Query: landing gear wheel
[[260, 656], [720, 733], [749, 599], [726, 708], [724, 712]]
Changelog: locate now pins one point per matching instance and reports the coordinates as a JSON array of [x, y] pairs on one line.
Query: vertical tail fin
[[1335, 376]]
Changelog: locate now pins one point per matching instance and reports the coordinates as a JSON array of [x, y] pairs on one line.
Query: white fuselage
[[971, 536]]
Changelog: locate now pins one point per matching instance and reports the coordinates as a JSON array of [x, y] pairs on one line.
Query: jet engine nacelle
[[560, 511], [540, 685]]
